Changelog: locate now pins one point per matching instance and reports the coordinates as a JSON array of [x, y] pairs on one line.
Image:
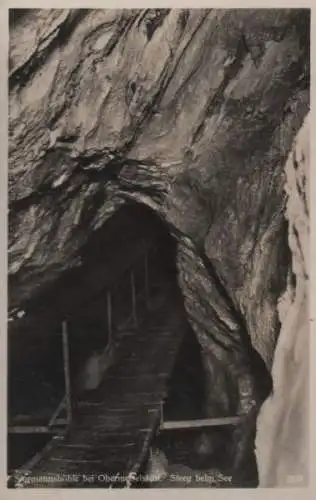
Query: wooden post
[[133, 298], [67, 371], [146, 275], [57, 412], [161, 414], [109, 314]]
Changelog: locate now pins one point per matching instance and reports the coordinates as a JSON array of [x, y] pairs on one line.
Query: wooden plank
[[146, 275], [37, 429], [102, 447], [133, 298], [79, 446], [206, 422], [161, 414], [83, 403], [60, 421], [121, 413], [67, 370], [76, 460], [30, 429], [109, 314]]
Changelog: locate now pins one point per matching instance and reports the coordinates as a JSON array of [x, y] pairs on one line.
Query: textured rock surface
[[190, 112], [282, 439]]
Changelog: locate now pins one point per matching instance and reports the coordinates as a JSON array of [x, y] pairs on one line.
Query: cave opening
[[133, 238], [127, 267]]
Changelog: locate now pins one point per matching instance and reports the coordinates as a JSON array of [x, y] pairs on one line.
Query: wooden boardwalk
[[113, 426]]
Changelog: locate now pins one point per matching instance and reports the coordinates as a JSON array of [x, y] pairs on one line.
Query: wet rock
[[282, 439]]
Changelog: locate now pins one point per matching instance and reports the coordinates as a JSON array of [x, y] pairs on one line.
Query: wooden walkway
[[113, 426]]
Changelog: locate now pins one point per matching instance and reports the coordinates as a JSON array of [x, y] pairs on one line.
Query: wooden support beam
[[37, 429], [150, 434], [60, 421], [161, 415], [133, 287], [54, 416], [146, 275], [109, 315], [68, 399], [206, 422]]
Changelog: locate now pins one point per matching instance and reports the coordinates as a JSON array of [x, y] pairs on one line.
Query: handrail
[[203, 422], [151, 432]]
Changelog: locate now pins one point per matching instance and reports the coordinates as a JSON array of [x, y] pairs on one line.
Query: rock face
[[282, 439], [191, 113]]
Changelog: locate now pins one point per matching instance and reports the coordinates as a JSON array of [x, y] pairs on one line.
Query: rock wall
[[189, 112], [283, 424]]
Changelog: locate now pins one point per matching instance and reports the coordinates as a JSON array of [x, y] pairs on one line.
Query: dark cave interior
[[36, 377]]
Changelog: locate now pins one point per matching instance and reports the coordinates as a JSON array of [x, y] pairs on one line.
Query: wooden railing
[[57, 425]]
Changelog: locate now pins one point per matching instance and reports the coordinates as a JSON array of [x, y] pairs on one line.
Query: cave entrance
[[85, 321], [126, 267]]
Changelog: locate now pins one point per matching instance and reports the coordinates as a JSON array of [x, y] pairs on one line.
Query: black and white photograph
[[158, 216]]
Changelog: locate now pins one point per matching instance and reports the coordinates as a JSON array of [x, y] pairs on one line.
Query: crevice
[[71, 82], [216, 100], [153, 19], [186, 46], [166, 77], [95, 173], [120, 27], [299, 246], [223, 292], [300, 190]]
